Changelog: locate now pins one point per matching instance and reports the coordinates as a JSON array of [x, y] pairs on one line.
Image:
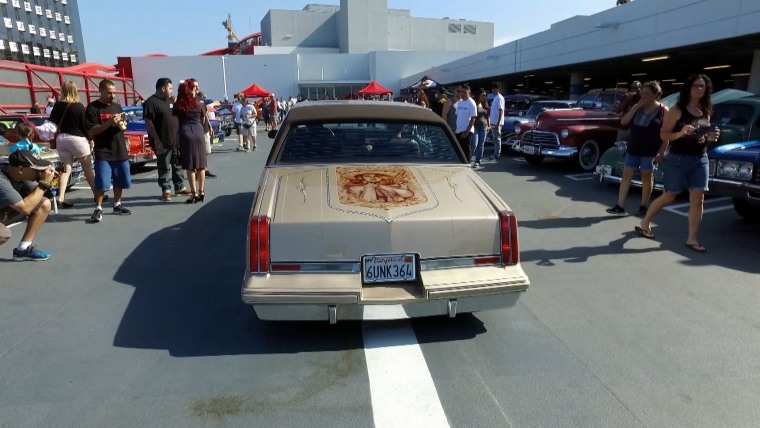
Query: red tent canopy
[[255, 91], [374, 89]]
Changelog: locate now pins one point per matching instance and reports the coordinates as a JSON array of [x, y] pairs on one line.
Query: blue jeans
[[477, 141], [496, 138], [684, 171]]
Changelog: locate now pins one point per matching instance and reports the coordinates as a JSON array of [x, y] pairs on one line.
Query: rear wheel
[[588, 155], [746, 210], [533, 159]]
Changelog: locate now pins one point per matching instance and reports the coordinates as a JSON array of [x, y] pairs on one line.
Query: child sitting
[[25, 132]]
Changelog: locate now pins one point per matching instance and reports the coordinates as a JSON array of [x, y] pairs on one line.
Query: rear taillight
[[259, 244], [510, 254]]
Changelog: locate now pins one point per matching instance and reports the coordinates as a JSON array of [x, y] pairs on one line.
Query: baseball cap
[[27, 159]]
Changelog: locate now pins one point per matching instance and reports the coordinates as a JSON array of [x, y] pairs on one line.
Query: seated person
[[23, 183], [25, 133]]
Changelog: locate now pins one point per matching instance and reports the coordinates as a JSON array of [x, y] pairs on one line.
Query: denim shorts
[[685, 172], [116, 171], [644, 163]]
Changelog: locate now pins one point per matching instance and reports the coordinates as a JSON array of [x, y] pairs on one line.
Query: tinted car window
[[606, 101], [587, 101], [732, 114], [349, 142]]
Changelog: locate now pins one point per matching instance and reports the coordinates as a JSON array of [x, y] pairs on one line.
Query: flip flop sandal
[[643, 233], [696, 247]]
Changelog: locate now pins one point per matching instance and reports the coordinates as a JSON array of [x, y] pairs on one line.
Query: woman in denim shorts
[[645, 119], [687, 127]]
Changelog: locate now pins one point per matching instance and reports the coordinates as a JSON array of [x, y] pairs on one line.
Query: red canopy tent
[[374, 89], [255, 91]]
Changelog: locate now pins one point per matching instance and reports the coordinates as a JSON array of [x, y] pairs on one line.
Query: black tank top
[[691, 145]]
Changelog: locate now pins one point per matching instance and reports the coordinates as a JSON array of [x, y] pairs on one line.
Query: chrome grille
[[542, 138]]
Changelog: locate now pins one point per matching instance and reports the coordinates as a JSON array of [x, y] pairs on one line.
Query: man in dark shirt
[[106, 124], [157, 112], [23, 183]]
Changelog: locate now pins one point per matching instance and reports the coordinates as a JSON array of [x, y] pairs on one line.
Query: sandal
[[643, 233], [696, 247]]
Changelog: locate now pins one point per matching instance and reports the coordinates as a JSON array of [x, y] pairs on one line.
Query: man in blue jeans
[[496, 119]]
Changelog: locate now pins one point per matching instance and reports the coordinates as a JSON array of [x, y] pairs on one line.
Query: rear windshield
[[367, 142]]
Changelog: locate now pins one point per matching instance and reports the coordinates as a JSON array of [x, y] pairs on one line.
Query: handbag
[[49, 130]]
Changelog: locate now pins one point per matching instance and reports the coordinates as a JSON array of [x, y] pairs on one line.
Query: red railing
[[23, 84]]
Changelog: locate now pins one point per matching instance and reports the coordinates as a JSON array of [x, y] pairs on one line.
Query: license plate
[[389, 268], [528, 150]]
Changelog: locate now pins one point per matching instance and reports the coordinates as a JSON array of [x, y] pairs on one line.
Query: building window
[[455, 28], [470, 29]]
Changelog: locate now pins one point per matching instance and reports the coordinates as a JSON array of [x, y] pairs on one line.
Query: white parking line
[[581, 177], [402, 390], [683, 209]]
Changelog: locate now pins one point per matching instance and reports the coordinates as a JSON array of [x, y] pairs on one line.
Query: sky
[[191, 27]]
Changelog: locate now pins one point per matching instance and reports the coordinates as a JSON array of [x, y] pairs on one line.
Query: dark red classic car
[[579, 135]]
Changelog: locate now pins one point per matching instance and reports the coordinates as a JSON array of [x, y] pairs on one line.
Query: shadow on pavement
[[187, 281]]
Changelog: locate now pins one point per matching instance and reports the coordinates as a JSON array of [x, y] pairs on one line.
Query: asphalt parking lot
[[138, 321]]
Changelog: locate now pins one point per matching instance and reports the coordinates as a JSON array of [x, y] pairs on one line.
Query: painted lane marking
[[581, 177], [402, 390], [683, 209]]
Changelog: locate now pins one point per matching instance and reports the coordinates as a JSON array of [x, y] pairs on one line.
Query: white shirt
[[249, 112], [48, 109], [466, 109], [497, 117], [236, 109]]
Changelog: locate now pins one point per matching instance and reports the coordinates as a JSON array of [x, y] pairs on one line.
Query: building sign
[[46, 53], [58, 17], [8, 22], [66, 19], [32, 29], [64, 2], [65, 56], [36, 50], [49, 13], [73, 58], [25, 49], [27, 6], [71, 39], [61, 37], [52, 34], [56, 55], [13, 46], [43, 32], [38, 10], [2, 42], [4, 1], [20, 26], [16, 3]]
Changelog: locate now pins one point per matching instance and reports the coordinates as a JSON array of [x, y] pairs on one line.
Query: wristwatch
[[45, 186]]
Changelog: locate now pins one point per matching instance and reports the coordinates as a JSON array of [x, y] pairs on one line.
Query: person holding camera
[[23, 183], [248, 125], [106, 124], [686, 127], [188, 115]]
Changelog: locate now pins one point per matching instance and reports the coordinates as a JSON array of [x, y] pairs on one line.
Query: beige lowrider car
[[369, 210]]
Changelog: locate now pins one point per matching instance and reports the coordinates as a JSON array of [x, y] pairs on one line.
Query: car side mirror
[[272, 133]]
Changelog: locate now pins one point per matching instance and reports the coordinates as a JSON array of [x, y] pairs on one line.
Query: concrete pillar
[[754, 74], [576, 85]]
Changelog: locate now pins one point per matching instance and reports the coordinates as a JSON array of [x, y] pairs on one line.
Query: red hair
[[186, 100]]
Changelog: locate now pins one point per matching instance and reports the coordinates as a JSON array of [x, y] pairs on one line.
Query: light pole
[[224, 76]]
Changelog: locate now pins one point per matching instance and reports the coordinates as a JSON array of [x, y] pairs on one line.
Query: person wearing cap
[[23, 183], [49, 106], [631, 98]]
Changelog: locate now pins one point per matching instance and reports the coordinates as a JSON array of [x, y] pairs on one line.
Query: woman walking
[[687, 127], [188, 115], [478, 138], [73, 140], [645, 119]]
